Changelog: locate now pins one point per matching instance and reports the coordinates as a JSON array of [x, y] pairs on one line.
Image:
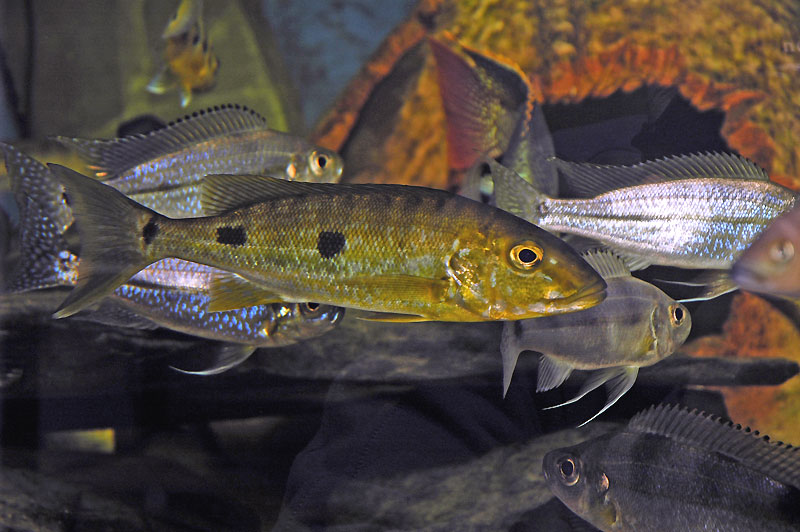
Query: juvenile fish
[[692, 211], [163, 169], [771, 265], [419, 253], [672, 469], [636, 325], [189, 60]]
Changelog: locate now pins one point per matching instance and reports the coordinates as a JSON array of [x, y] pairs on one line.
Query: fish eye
[[318, 162], [569, 471], [310, 308], [781, 251], [677, 315], [526, 255]]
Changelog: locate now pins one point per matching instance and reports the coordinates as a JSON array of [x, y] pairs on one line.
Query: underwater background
[[372, 426]]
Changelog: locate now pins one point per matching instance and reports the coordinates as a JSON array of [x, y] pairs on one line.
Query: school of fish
[[219, 227]]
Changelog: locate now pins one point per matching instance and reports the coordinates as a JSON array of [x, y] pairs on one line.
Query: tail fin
[[114, 231], [45, 259]]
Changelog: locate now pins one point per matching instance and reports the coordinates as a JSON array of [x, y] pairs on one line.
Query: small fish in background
[[691, 211], [190, 62], [164, 168], [636, 325], [672, 469], [491, 111], [400, 253], [169, 293], [771, 265]]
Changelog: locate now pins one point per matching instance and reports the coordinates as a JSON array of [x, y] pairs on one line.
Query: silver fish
[[671, 469], [636, 325], [692, 211], [163, 169]]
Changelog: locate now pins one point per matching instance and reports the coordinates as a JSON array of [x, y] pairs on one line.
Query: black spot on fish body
[[441, 201], [232, 236], [150, 230], [330, 243]]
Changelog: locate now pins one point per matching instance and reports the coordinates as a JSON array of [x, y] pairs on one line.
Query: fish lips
[[749, 276]]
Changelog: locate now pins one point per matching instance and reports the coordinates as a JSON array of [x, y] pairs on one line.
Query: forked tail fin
[[115, 233]]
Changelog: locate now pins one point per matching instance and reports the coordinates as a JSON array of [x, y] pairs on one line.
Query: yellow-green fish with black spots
[[398, 252]]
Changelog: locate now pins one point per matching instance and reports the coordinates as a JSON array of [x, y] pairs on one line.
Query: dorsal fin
[[589, 180], [778, 460], [606, 264], [224, 192], [110, 158]]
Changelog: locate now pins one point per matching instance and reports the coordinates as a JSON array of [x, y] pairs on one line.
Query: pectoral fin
[[162, 82], [226, 357], [228, 291], [403, 287], [552, 373]]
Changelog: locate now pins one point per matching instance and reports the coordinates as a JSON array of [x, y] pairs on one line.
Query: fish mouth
[[586, 297]]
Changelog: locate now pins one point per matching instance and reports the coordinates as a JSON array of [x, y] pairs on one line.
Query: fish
[[399, 253], [696, 211], [492, 112], [169, 293], [675, 469], [181, 21], [173, 293], [770, 265], [636, 325], [164, 168], [190, 61]]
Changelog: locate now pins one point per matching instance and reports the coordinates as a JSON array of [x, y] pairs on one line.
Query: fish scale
[[716, 219]]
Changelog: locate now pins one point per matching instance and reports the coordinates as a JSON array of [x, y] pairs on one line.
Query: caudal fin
[[45, 259], [114, 231]]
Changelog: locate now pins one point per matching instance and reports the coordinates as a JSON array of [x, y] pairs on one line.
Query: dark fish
[[636, 325], [672, 469]]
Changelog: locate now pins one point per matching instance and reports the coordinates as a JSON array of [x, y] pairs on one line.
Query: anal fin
[[552, 373], [226, 357]]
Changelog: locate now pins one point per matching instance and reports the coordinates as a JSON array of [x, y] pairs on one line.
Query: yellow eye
[[526, 255], [781, 251], [569, 471], [318, 162], [677, 314]]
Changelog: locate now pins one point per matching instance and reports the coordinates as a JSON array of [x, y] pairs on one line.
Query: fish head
[[528, 273], [581, 485], [771, 264], [318, 165], [294, 322], [670, 324]]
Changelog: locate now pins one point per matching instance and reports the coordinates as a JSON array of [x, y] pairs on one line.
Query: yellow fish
[[400, 253], [190, 62]]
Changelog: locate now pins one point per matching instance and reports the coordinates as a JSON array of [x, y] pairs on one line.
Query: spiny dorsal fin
[[606, 264], [224, 192], [589, 180], [111, 158], [775, 459]]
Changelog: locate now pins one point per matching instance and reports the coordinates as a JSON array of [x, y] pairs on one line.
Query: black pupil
[[678, 314], [312, 306], [527, 255], [567, 468], [322, 161]]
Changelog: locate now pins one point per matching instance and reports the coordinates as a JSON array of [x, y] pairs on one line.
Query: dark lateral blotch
[[149, 231], [232, 236], [330, 243]]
